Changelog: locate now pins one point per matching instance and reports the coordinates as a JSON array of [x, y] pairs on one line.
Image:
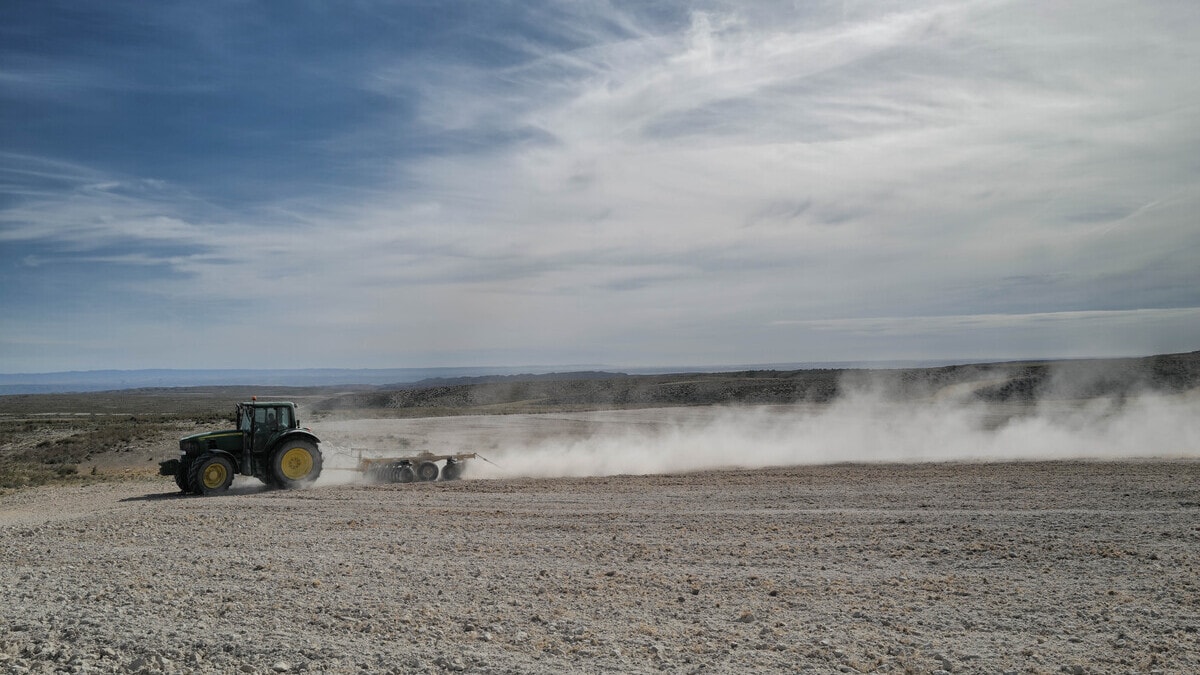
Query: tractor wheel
[[181, 476], [209, 474], [404, 474], [296, 463], [452, 471], [427, 471]]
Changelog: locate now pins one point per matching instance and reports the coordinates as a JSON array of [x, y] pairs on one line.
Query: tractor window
[[264, 420], [271, 419]]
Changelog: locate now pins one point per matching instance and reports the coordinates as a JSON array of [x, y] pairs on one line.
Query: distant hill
[[489, 379], [114, 380], [469, 388], [118, 380], [992, 382]]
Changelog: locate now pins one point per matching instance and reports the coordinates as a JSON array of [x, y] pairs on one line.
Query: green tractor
[[268, 443]]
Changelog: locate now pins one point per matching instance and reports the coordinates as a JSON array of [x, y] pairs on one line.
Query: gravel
[[1055, 567]]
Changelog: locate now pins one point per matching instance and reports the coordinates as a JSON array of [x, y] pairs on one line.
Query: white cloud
[[956, 168]]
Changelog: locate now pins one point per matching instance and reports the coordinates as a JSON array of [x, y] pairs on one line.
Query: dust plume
[[871, 421], [866, 426]]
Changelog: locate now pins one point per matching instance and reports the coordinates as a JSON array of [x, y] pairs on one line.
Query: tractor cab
[[262, 423]]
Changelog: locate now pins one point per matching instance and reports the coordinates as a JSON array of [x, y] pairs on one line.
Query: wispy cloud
[[631, 184]]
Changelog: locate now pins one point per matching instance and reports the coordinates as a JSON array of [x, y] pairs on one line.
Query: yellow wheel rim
[[215, 475], [296, 463]]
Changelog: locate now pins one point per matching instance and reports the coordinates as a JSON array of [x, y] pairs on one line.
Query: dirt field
[[695, 539], [1079, 567]]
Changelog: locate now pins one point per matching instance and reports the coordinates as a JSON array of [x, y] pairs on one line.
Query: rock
[[281, 667]]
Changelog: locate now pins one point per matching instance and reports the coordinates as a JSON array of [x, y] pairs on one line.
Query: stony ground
[[1078, 567]]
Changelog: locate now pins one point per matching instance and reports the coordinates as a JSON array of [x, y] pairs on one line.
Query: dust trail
[[339, 466], [865, 427], [868, 424], [245, 485]]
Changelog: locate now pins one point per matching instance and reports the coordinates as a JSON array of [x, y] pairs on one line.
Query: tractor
[[268, 443]]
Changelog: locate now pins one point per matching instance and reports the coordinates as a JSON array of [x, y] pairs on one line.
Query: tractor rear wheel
[[295, 463], [210, 474], [427, 471]]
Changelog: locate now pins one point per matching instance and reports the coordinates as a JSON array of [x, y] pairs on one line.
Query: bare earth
[[1072, 566]]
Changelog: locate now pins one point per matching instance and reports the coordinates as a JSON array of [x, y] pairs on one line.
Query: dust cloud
[[865, 427], [870, 422]]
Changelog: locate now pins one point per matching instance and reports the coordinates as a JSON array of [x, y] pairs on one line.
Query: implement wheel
[[295, 463], [400, 473], [209, 474], [404, 474], [427, 471], [453, 470]]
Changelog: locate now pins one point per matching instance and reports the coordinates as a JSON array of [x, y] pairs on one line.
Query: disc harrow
[[423, 467]]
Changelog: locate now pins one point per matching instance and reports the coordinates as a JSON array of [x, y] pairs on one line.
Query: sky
[[360, 184]]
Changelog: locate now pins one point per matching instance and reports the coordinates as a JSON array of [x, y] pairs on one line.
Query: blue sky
[[412, 184]]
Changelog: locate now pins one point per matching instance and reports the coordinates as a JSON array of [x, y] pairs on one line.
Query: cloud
[[701, 183], [940, 323]]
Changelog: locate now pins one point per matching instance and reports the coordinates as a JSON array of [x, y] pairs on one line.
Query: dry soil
[[1078, 567]]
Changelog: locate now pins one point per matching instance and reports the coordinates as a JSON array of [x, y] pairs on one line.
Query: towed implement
[[422, 467], [269, 444]]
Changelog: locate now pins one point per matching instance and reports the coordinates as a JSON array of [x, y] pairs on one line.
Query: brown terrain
[[1023, 518]]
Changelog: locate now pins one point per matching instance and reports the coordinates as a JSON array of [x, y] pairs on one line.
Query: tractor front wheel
[[209, 474], [295, 463]]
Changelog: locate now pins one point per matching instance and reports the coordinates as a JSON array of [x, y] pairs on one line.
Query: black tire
[[405, 474], [181, 476], [209, 474], [295, 463], [453, 470], [427, 471]]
